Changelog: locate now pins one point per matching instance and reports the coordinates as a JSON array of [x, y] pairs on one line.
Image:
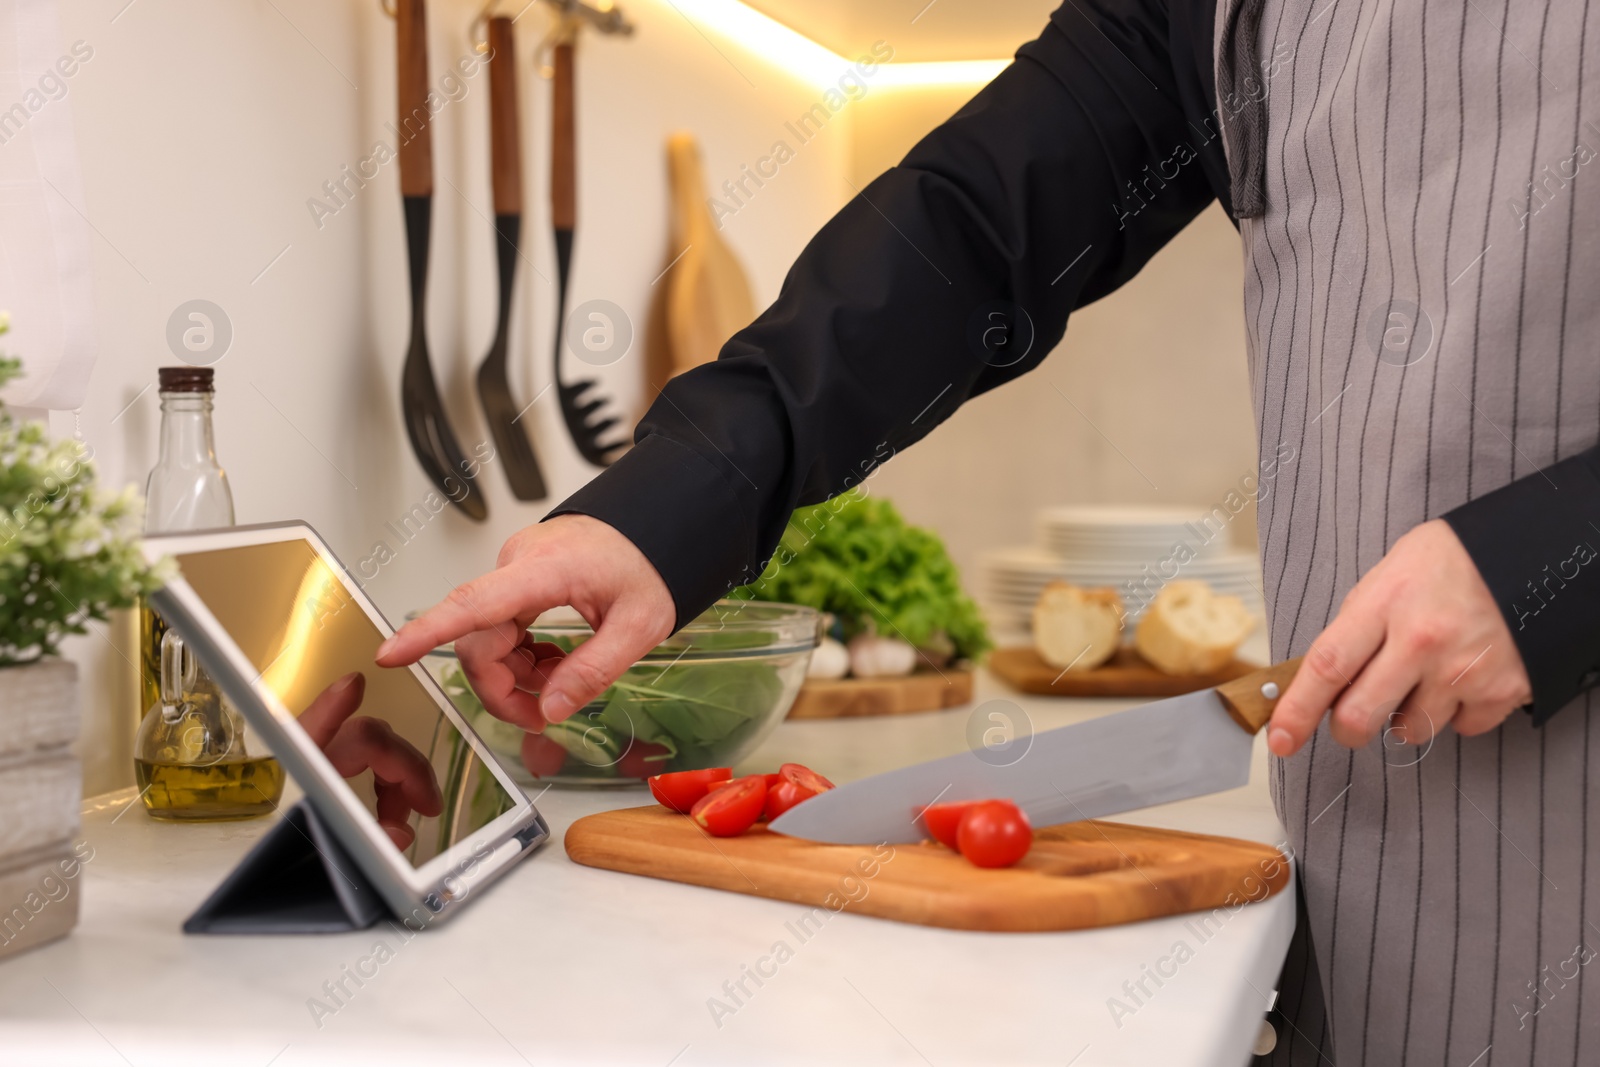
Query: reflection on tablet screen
[[313, 645]]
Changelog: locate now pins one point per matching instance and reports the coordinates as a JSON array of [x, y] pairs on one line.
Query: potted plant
[[69, 554]]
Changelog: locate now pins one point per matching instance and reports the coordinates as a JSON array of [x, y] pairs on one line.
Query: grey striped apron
[[1422, 296]]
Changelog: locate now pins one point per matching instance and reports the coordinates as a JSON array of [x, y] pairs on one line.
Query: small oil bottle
[[193, 757]]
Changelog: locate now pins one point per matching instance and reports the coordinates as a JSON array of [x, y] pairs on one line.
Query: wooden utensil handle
[[411, 63], [505, 140], [563, 148], [1250, 699]]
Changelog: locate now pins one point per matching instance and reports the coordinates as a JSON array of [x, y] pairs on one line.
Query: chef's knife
[[1173, 749]]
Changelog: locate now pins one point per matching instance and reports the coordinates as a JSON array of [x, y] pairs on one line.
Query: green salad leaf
[[856, 558], [695, 711]]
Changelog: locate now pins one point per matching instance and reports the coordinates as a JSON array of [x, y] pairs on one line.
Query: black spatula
[[500, 411], [426, 422], [576, 411]]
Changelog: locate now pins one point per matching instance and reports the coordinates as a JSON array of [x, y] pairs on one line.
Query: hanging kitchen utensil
[[427, 425], [708, 297], [500, 411], [572, 15], [579, 413]]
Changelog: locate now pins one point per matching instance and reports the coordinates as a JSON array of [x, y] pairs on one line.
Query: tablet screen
[[313, 646]]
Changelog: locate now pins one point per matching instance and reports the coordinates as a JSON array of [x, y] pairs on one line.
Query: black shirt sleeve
[[1535, 542], [951, 274]]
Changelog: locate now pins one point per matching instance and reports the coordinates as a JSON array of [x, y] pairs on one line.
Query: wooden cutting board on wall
[[1078, 875], [707, 296]]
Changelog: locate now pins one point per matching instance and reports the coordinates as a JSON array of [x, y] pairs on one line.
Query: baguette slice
[[1188, 629], [1076, 629]]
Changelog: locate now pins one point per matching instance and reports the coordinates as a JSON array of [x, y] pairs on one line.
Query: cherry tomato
[[994, 833], [641, 758], [942, 820], [681, 789], [783, 795], [542, 756], [793, 783], [731, 809], [805, 778]]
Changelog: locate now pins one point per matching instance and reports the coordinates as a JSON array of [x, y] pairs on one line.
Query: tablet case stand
[[296, 880]]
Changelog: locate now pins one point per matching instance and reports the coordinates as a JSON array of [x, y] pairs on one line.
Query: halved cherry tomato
[[793, 783], [805, 777], [641, 759], [942, 820], [767, 781], [731, 809], [783, 795], [994, 833], [542, 756], [680, 790]]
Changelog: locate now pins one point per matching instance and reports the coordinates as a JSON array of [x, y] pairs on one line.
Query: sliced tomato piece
[[542, 756], [680, 790], [783, 795], [994, 833], [943, 820], [641, 760], [731, 809], [805, 777]]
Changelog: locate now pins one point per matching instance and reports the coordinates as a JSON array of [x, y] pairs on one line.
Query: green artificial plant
[[69, 551]]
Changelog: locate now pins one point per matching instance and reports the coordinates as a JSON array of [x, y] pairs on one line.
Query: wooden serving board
[[1077, 875], [844, 698], [1125, 674]]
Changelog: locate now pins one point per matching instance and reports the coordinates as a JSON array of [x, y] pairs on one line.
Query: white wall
[[204, 127]]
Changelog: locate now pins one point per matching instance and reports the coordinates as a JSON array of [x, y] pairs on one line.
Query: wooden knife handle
[[505, 141], [1250, 699], [416, 132], [563, 144]]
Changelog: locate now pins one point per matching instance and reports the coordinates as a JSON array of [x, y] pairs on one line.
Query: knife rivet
[[1270, 690]]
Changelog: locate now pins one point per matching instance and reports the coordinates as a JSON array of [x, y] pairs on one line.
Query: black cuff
[[1535, 542], [680, 512]]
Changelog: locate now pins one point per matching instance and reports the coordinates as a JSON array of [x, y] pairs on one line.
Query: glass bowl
[[704, 697]]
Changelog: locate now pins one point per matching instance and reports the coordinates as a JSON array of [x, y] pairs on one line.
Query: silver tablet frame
[[419, 895]]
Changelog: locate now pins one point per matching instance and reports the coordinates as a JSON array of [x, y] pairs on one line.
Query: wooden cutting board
[[707, 295], [1077, 875], [846, 698], [1125, 674]]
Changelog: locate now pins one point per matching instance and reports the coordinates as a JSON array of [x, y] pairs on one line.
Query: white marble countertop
[[565, 964]]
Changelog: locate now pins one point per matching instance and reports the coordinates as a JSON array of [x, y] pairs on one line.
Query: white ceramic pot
[[41, 782]]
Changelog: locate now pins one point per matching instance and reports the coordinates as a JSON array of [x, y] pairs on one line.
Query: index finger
[[324, 715], [1329, 667], [490, 603]]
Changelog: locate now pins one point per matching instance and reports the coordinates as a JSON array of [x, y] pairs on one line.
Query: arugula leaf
[[702, 703], [693, 710]]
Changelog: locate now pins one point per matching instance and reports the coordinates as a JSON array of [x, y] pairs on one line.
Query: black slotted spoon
[[427, 424], [500, 411], [575, 410]]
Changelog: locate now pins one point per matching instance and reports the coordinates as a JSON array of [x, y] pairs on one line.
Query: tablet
[[407, 787]]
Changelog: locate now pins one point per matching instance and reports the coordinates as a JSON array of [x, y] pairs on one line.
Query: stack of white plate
[[1128, 532], [1133, 550]]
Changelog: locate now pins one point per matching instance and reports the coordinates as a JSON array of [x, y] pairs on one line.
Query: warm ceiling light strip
[[818, 64]]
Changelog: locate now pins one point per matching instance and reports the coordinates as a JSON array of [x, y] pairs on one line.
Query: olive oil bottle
[[194, 757]]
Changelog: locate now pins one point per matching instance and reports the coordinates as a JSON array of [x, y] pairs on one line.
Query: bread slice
[[1076, 629], [1188, 629]]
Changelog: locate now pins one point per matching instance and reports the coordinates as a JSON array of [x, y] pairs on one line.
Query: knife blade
[[1173, 749]]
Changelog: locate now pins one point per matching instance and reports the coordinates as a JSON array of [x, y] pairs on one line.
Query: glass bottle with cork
[[193, 757]]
